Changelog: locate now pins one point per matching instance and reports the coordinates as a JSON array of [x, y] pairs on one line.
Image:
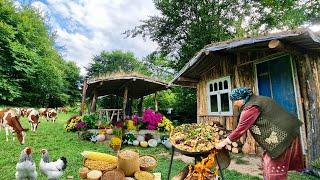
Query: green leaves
[[32, 72]]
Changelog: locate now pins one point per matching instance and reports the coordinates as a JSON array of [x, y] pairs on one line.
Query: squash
[[143, 144], [101, 137], [140, 138], [135, 142], [152, 143]]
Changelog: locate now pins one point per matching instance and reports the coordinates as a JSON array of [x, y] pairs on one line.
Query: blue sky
[[86, 27]]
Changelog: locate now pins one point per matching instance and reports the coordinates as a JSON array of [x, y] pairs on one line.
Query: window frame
[[218, 93]]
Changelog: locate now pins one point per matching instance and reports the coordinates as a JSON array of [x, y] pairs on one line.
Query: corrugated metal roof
[[303, 38]]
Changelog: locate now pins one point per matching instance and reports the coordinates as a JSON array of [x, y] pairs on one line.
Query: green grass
[[61, 143]]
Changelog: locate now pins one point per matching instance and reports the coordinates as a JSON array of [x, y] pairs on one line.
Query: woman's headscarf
[[241, 93]]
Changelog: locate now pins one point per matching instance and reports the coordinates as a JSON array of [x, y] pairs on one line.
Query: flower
[[151, 118], [115, 141], [165, 125], [130, 125], [81, 125], [135, 119]]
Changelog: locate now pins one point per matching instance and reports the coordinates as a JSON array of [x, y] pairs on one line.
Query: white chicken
[[26, 168], [53, 170]]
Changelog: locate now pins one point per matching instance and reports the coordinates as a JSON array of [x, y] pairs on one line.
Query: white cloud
[[87, 27]]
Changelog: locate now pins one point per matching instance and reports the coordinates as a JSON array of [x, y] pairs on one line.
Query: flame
[[202, 169]]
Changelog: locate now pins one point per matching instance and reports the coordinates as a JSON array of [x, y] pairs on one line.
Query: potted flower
[[115, 143]]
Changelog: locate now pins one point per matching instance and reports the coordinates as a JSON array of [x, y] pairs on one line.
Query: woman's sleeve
[[248, 117]]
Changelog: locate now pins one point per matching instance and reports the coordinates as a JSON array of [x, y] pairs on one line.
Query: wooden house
[[284, 66]]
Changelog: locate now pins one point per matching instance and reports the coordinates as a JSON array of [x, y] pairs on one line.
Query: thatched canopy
[[114, 84]]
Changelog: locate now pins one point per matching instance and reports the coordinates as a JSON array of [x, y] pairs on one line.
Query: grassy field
[[61, 143]]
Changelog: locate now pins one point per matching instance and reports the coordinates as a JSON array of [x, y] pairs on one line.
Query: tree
[[115, 61], [32, 71], [185, 27]]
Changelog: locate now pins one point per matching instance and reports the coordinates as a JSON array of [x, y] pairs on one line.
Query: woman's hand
[[222, 144]]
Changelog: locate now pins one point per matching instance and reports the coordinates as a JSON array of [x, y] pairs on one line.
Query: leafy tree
[[185, 27], [115, 61], [32, 72]]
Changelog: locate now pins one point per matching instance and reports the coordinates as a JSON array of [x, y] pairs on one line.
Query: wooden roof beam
[[189, 80], [277, 44]]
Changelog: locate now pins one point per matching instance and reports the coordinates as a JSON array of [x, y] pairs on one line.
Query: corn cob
[[99, 156]]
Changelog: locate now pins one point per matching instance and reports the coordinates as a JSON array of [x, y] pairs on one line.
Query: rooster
[[26, 168], [53, 170]]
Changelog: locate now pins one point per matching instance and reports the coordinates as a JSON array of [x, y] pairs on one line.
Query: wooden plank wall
[[240, 76], [308, 69]]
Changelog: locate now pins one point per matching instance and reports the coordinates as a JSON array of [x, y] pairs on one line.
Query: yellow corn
[[99, 156]]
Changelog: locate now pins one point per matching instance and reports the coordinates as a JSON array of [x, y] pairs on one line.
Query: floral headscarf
[[241, 93]]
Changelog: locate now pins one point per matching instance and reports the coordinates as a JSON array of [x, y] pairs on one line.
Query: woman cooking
[[273, 128]]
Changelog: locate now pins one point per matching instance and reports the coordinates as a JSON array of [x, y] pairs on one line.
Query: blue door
[[275, 80]]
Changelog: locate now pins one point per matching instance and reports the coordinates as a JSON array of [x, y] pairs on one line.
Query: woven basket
[[129, 165], [103, 168], [148, 168]]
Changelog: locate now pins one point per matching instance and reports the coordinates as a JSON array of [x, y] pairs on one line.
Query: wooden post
[[83, 101], [125, 100], [140, 106], [93, 102], [155, 102]]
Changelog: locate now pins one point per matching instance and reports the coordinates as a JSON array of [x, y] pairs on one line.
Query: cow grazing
[[43, 112], [52, 115], [33, 119], [10, 122], [24, 112], [62, 110]]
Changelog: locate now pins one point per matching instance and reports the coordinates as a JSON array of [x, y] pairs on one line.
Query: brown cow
[[9, 120], [62, 110], [33, 119], [52, 115]]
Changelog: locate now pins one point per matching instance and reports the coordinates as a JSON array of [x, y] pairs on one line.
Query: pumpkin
[[143, 144], [135, 142], [152, 143], [109, 131], [101, 137], [140, 138]]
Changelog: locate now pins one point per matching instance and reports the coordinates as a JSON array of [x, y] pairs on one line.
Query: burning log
[[202, 170]]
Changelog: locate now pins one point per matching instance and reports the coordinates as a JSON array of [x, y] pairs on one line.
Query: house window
[[219, 102]]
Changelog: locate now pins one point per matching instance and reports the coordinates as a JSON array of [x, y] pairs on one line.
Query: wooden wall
[[240, 76], [241, 70], [308, 69]]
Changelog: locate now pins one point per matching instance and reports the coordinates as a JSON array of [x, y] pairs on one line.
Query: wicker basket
[[148, 168], [103, 167], [129, 165]]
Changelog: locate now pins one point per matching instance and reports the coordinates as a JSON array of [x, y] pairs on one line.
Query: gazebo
[[125, 85]]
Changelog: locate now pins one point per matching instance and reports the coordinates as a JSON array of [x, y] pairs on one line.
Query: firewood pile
[[200, 137]]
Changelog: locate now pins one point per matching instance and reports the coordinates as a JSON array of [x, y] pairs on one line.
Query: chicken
[[26, 168], [53, 170]]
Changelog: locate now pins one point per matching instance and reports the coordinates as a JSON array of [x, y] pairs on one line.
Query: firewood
[[235, 150], [228, 147], [221, 132], [234, 144]]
